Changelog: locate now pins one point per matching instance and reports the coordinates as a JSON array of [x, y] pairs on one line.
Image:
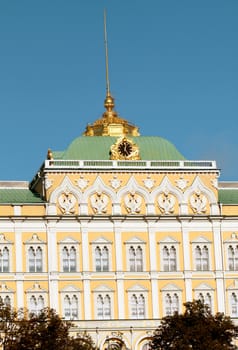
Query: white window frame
[[138, 291], [36, 292], [35, 242], [168, 242], [69, 243], [135, 243], [101, 243], [6, 292], [204, 289], [231, 242], [8, 245], [103, 291], [171, 290], [71, 291], [201, 242]]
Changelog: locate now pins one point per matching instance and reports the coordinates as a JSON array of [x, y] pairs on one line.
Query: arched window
[[234, 305], [146, 346], [169, 259], [135, 259], [102, 259], [36, 304], [35, 261], [137, 303], [69, 259], [206, 299], [233, 258], [103, 307], [201, 258], [4, 260], [70, 307], [171, 304]]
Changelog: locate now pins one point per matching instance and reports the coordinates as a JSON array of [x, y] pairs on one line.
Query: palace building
[[117, 231]]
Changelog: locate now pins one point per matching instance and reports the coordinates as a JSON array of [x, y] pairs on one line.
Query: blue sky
[[173, 69]]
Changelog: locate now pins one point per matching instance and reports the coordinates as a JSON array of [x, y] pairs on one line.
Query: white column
[[155, 297], [20, 255], [20, 291], [118, 247], [52, 268], [220, 292], [186, 261], [153, 268], [85, 247], [87, 299], [219, 265], [120, 297]]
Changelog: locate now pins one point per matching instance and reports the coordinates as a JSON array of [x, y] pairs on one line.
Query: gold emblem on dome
[[124, 149]]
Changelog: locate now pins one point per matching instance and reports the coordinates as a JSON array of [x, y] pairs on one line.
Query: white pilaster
[[85, 247], [87, 300], [120, 296], [52, 265], [187, 261]]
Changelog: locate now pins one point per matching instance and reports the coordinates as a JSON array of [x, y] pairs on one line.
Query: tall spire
[[109, 100], [106, 54], [110, 124]]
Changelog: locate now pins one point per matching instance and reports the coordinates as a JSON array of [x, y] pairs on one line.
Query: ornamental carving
[[166, 202], [82, 183], [48, 183], [115, 182], [198, 202], [149, 183], [99, 202], [133, 203], [181, 183], [67, 202]]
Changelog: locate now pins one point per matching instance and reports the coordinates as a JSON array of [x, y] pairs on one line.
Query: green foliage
[[196, 329], [45, 331]]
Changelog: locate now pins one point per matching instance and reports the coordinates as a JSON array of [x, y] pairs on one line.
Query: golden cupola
[[110, 124]]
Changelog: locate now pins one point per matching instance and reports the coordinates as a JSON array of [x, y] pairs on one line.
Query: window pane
[[39, 260], [65, 255], [139, 259], [72, 259], [132, 256], [105, 259], [31, 259]]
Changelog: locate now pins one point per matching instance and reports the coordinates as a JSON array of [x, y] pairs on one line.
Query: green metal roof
[[228, 196], [16, 195], [98, 147]]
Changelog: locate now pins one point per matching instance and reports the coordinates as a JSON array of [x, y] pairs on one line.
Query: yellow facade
[[116, 244]]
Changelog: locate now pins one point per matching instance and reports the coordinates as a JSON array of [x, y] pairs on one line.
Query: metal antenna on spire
[[106, 53]]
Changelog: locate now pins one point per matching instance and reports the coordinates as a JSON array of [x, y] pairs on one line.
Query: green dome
[[98, 148]]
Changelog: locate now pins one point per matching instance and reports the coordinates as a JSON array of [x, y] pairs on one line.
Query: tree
[[44, 331], [196, 329]]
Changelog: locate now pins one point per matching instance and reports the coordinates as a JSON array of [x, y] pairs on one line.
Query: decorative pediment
[[35, 240], [103, 289], [135, 240], [36, 289], [101, 241], [233, 286], [168, 240], [232, 239], [137, 288], [4, 289], [3, 240], [203, 287], [68, 240], [70, 289], [171, 288], [201, 240]]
